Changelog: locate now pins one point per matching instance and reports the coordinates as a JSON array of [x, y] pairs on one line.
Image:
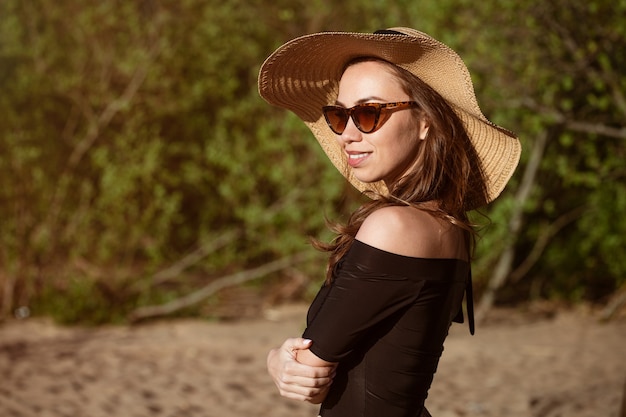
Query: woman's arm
[[297, 374], [306, 357]]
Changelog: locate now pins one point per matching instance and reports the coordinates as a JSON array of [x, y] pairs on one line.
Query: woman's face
[[389, 152]]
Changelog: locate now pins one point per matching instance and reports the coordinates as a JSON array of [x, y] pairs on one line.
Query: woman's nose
[[351, 133]]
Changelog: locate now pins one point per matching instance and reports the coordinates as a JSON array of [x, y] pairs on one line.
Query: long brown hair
[[447, 170]]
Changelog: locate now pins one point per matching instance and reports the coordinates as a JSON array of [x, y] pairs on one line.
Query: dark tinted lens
[[365, 118], [337, 118]]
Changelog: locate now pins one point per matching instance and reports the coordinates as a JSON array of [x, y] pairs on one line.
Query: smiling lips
[[355, 159]]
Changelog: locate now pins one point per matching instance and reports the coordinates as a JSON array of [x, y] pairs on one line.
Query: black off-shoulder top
[[384, 318]]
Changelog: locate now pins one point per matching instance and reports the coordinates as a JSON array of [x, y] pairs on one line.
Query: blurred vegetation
[[139, 165]]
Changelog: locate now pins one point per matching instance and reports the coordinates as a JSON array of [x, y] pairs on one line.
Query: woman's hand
[[294, 379]]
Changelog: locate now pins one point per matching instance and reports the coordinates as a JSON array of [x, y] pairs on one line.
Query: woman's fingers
[[295, 380]]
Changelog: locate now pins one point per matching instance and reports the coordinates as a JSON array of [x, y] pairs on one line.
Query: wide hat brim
[[303, 76]]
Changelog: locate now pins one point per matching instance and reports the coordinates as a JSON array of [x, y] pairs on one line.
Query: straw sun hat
[[303, 76]]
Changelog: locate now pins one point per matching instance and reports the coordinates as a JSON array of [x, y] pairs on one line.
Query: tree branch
[[611, 309], [194, 257], [143, 313], [113, 107], [505, 263], [593, 128], [95, 125], [542, 242], [576, 125], [221, 241]]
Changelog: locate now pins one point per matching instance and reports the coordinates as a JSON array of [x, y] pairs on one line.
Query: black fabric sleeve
[[369, 286]]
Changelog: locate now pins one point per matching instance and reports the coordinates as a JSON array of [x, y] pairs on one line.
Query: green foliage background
[[132, 135]]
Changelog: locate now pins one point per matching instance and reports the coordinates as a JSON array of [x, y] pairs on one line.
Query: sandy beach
[[568, 364]]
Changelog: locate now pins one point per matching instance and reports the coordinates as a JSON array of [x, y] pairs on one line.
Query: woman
[[396, 113]]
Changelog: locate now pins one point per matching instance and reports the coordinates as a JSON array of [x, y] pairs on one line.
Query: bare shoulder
[[411, 232]]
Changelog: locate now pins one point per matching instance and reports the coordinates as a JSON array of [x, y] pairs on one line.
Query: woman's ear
[[424, 126]]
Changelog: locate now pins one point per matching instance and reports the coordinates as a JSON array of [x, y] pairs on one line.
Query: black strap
[[469, 299]]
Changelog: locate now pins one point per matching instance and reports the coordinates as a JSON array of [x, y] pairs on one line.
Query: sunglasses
[[366, 117]]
